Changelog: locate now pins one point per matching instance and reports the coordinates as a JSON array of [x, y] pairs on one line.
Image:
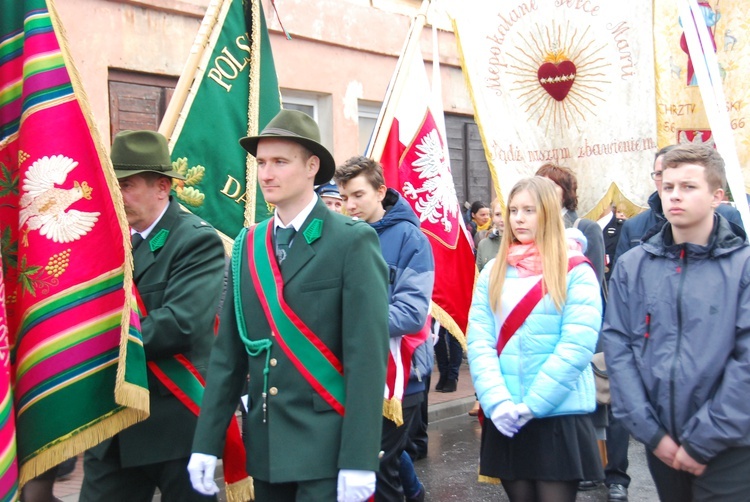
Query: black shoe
[[450, 385], [441, 383], [584, 486], [617, 493]]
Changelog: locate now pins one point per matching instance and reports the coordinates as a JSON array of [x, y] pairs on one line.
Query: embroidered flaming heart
[[557, 79]]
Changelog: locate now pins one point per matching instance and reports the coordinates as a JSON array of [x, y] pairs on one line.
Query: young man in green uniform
[[306, 315], [178, 261]]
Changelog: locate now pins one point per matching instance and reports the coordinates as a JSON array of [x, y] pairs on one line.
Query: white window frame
[[322, 105], [369, 110]]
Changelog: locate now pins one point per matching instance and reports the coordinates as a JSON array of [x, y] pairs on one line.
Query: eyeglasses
[[656, 175]]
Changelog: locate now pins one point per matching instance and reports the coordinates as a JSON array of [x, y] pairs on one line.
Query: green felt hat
[[300, 128], [136, 152]]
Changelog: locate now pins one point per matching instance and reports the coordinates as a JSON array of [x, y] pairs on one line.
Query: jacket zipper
[[520, 369], [682, 271], [647, 335]]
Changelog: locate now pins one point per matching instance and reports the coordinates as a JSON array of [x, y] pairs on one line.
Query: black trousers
[[107, 480], [726, 479], [304, 491], [417, 444], [388, 487], [617, 453], [448, 354]]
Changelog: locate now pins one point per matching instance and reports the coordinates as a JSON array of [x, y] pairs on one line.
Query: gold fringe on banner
[[253, 107], [488, 479], [133, 396], [78, 441], [448, 323], [392, 411], [241, 491]]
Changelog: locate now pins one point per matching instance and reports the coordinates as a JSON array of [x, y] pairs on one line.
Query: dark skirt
[[547, 449]]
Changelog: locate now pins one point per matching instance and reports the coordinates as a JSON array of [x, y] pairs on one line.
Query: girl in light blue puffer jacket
[[536, 395]]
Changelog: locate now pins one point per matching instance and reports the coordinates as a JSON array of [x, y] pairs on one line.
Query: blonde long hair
[[549, 239]]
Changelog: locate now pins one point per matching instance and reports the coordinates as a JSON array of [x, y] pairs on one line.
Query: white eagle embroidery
[[441, 203], [43, 207], [682, 139]]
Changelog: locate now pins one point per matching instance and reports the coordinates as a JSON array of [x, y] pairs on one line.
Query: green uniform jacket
[[337, 285], [180, 283]]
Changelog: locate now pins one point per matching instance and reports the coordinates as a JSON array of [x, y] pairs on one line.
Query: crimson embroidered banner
[[8, 460], [77, 359]]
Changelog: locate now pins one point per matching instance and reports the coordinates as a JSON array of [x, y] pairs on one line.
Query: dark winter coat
[[677, 341], [411, 268], [595, 241]]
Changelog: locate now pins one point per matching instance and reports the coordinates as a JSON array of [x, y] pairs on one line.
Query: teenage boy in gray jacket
[[677, 338]]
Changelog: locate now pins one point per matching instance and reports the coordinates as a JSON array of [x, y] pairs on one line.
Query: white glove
[[355, 486], [504, 416], [201, 468], [524, 415]]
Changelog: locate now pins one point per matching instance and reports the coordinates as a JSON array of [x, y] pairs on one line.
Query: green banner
[[233, 93]]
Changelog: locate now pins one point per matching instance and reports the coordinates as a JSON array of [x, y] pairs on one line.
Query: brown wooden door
[[138, 100], [471, 173]]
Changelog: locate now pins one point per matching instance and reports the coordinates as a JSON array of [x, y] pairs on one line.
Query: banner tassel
[[286, 33]]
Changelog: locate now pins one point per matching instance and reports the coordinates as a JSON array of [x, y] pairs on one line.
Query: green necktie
[[284, 238], [135, 240]]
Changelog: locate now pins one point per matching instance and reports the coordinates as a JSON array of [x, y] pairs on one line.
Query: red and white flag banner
[[410, 144]]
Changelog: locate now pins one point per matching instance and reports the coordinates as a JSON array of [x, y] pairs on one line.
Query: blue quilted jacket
[[545, 364]]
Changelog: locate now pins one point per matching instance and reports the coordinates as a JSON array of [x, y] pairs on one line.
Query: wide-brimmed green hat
[[136, 152], [300, 128]]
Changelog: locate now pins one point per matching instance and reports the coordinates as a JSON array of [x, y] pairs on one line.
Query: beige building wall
[[342, 52], [145, 36]]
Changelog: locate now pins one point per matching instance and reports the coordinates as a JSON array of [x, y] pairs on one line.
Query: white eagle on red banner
[[440, 204]]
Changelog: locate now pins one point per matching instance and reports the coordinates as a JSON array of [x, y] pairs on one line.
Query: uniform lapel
[[302, 251], [144, 258]]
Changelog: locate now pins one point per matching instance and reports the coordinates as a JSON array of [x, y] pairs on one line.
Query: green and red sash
[[312, 358], [184, 381]]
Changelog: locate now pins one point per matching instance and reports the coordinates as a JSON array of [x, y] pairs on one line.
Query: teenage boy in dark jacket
[[677, 338], [408, 254], [637, 226]]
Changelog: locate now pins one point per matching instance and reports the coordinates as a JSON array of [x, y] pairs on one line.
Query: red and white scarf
[[401, 349]]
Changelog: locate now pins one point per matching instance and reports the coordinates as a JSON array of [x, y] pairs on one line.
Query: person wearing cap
[[329, 194], [306, 317], [178, 270]]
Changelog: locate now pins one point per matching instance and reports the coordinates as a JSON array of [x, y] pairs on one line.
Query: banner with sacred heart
[[568, 82]]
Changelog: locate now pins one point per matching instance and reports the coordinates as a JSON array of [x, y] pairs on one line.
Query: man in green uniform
[[178, 261], [306, 315]]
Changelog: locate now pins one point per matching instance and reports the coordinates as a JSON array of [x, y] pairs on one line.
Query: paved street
[[450, 470]]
